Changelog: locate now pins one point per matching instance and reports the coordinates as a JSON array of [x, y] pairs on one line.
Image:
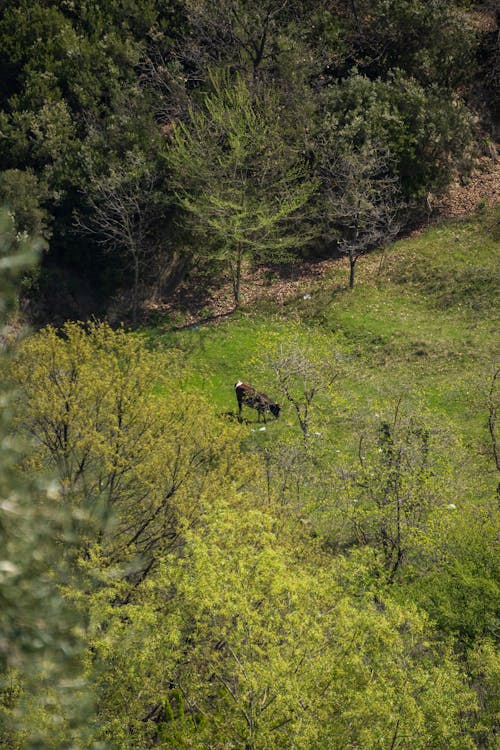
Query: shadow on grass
[[203, 321], [231, 416]]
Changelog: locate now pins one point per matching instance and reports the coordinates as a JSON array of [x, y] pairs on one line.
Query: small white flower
[[451, 506], [8, 567], [53, 491], [9, 505]]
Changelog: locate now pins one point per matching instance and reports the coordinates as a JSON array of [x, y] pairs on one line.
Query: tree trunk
[[237, 278], [355, 12], [135, 294], [352, 267], [170, 276]]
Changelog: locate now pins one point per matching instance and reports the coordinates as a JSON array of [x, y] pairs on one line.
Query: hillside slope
[[420, 328], [192, 304]]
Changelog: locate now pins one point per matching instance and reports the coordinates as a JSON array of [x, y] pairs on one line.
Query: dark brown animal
[[249, 396]]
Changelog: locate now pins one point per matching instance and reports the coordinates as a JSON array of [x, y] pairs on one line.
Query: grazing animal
[[250, 396]]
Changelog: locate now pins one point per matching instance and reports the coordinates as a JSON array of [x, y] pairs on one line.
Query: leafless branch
[[492, 418]]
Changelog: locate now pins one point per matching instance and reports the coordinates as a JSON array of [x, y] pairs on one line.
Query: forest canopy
[[95, 96]]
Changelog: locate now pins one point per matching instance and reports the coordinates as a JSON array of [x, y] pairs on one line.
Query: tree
[[22, 194], [251, 640], [404, 477], [302, 373], [361, 198], [68, 70], [215, 617], [274, 40], [245, 33], [135, 462], [126, 208], [241, 185], [483, 662], [454, 575], [493, 423], [422, 133], [431, 41]]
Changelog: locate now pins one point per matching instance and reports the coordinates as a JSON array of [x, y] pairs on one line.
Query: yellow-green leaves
[[138, 461], [219, 613]]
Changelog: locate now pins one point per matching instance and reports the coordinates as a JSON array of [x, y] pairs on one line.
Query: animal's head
[[275, 410]]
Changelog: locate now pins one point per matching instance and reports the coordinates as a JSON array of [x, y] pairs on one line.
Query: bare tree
[[492, 422], [244, 32], [124, 211], [361, 199], [162, 76], [301, 376], [245, 36], [397, 484]]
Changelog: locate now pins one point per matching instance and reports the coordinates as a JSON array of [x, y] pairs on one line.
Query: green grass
[[219, 354], [421, 325]]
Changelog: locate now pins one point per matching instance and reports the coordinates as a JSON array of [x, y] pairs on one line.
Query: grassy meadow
[[419, 332]]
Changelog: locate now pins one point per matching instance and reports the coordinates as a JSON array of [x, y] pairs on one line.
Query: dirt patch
[[190, 307], [266, 282], [481, 189]]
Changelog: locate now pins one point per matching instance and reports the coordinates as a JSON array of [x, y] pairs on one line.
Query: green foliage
[[87, 86], [138, 466], [455, 575], [430, 40], [425, 130], [484, 666], [331, 580], [51, 53], [41, 639], [23, 195], [404, 476], [214, 616], [266, 649], [240, 183], [120, 452], [70, 73], [17, 253]]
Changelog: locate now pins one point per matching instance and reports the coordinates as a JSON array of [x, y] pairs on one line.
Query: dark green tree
[[426, 132]]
